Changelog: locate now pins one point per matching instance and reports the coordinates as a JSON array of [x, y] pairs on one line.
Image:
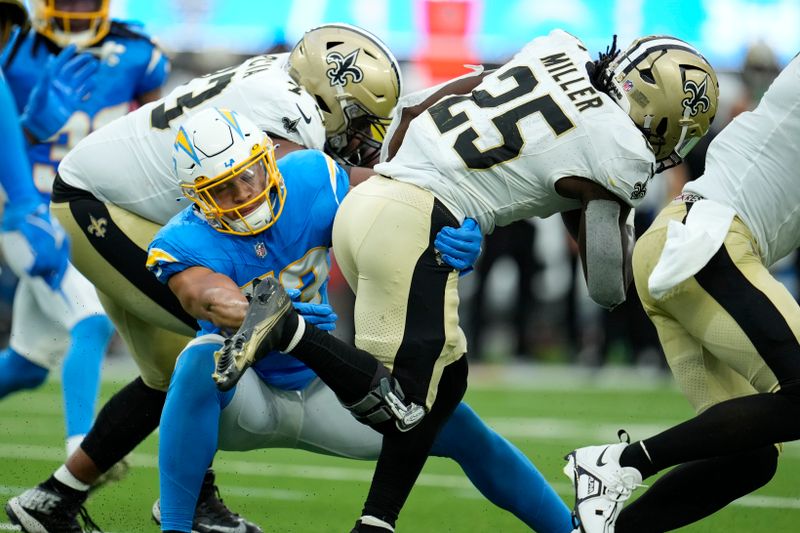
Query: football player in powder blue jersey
[[255, 218]]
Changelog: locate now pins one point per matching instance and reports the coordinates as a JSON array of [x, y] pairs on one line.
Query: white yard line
[[458, 483]]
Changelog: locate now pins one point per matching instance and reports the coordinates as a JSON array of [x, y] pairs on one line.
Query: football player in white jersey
[[730, 330], [550, 131], [116, 188]]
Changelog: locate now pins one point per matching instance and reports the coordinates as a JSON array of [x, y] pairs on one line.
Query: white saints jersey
[[753, 166], [129, 162], [495, 154]]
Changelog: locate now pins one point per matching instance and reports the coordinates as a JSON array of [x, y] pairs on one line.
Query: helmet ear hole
[[647, 75], [321, 103], [661, 129]]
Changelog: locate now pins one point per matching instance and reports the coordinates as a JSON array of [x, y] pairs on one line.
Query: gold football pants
[[732, 329], [109, 246], [406, 310]]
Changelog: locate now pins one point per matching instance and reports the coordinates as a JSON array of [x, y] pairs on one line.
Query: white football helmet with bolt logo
[[355, 80], [226, 166], [669, 90], [79, 22]]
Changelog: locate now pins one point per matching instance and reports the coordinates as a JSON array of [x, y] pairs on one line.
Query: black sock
[[350, 372], [734, 426], [124, 422], [404, 454], [634, 455], [693, 491], [65, 490]]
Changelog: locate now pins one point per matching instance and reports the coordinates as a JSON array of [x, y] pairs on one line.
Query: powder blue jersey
[[131, 65], [294, 249]]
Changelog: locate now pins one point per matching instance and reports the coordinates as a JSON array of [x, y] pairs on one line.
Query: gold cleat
[[260, 333]]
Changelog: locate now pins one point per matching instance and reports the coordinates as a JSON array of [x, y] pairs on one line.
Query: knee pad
[[384, 403]]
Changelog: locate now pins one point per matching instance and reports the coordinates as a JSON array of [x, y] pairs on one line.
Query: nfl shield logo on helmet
[[261, 250], [627, 86]]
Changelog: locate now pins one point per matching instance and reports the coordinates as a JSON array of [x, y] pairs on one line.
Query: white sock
[[369, 520], [66, 477], [73, 443]]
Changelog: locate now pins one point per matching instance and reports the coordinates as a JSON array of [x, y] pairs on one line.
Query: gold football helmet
[[355, 80], [669, 90], [226, 165], [12, 14], [79, 22]]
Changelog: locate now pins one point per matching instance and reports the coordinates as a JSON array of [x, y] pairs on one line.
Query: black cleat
[[211, 514], [43, 509], [260, 333]]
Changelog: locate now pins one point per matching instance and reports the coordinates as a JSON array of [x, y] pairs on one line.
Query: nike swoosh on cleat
[[600, 459], [240, 528], [305, 118]]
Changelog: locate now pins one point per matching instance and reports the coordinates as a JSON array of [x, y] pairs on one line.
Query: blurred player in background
[[73, 71], [730, 331], [41, 243], [550, 131]]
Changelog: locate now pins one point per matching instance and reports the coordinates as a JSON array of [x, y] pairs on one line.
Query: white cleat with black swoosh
[[601, 485]]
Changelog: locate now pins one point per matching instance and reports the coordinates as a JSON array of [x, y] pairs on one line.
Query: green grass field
[[290, 491]]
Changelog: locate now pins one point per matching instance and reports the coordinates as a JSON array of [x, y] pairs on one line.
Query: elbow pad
[[604, 254]]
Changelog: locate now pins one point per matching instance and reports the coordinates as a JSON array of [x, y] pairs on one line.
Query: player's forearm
[[223, 307], [209, 296], [461, 85]]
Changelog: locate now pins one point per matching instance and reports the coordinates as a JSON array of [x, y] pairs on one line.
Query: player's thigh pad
[[109, 246], [381, 235], [709, 342]]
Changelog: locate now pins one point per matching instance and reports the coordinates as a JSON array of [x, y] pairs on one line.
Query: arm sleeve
[[605, 256], [16, 178]]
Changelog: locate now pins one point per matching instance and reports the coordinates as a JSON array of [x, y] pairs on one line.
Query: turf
[[290, 491]]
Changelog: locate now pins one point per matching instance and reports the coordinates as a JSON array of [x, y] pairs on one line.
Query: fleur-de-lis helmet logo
[[343, 66], [697, 99]]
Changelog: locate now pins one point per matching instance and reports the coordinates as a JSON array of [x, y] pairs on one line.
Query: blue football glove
[[321, 315], [33, 243], [65, 82], [460, 247]]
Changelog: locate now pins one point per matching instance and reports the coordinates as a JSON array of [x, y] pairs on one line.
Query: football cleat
[[43, 509], [259, 334], [601, 485], [211, 514]]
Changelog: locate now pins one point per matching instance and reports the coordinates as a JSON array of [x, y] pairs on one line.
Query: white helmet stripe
[[647, 46]]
